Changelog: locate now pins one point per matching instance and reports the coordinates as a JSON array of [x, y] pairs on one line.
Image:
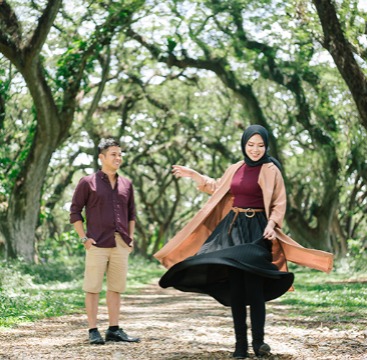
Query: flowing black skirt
[[243, 248]]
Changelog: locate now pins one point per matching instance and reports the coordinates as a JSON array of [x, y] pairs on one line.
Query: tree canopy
[[177, 82]]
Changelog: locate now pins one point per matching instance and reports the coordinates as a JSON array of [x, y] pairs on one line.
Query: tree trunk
[[52, 123], [21, 216], [318, 237], [24, 202], [342, 52]]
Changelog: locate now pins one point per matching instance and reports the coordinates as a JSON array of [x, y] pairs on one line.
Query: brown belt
[[250, 213]]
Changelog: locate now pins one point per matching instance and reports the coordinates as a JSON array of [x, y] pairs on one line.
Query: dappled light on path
[[174, 325]]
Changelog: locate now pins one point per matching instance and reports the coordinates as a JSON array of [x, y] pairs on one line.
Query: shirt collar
[[104, 176]]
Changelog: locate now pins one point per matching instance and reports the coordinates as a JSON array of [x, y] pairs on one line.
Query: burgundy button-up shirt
[[107, 210]]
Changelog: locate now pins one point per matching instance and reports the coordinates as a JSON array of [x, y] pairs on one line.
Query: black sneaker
[[95, 338], [119, 335]]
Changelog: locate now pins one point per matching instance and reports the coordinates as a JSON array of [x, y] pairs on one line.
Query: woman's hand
[[269, 232], [182, 171]]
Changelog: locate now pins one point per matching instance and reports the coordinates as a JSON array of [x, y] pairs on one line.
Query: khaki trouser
[[112, 261]]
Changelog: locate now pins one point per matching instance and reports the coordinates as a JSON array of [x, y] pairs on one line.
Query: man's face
[[111, 158]]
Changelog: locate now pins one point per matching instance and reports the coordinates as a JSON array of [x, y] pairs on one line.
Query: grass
[[336, 299], [29, 292], [142, 272]]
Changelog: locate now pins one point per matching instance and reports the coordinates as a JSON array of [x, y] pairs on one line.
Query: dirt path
[[175, 325]]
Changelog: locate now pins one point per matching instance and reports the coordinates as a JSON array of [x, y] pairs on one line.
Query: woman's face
[[255, 147]]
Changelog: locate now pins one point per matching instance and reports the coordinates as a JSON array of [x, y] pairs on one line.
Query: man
[[109, 205]]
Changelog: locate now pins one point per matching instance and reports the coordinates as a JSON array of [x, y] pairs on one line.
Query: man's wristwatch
[[83, 239]]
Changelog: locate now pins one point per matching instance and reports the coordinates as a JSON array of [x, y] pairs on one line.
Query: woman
[[234, 249]]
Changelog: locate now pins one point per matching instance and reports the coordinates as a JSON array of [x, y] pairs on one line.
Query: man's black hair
[[104, 144]]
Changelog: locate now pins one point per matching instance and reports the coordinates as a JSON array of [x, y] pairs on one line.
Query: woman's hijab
[[248, 133]]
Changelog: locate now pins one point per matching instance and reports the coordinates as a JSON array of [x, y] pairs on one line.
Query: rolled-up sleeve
[[78, 201], [131, 215]]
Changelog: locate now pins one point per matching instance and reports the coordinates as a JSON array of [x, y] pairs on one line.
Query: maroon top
[[107, 210], [245, 188]]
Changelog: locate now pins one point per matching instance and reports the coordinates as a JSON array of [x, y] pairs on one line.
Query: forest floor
[[173, 325]]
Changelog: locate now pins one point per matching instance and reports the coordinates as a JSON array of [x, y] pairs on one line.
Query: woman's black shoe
[[240, 350], [261, 349], [240, 355]]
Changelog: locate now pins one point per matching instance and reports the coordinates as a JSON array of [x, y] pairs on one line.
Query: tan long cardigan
[[188, 241]]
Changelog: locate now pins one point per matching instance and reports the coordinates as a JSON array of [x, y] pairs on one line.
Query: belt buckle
[[250, 213]]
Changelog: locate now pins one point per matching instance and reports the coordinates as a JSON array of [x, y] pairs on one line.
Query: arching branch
[[342, 52]]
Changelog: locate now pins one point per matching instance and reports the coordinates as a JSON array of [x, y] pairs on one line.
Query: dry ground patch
[[174, 325]]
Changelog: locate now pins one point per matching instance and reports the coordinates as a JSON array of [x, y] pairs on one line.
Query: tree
[[344, 52], [54, 102], [178, 81], [224, 21]]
